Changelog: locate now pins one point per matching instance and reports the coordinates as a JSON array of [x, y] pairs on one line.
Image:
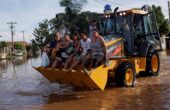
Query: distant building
[[4, 50], [165, 42], [22, 43]]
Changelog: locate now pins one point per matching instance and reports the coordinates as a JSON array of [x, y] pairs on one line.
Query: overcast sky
[[27, 13]]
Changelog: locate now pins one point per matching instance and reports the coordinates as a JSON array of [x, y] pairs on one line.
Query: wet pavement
[[23, 88]]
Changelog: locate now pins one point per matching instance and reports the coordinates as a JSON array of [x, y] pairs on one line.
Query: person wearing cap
[[98, 48]]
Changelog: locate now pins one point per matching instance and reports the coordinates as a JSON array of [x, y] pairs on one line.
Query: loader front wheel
[[152, 63], [125, 75]]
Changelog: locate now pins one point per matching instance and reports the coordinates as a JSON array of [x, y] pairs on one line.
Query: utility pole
[[23, 33], [12, 33], [169, 9]]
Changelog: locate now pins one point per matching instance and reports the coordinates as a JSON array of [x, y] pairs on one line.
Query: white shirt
[[86, 45]]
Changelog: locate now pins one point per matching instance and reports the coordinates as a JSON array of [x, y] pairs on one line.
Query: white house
[[165, 42]]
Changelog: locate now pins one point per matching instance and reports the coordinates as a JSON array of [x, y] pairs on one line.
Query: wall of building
[[163, 42], [5, 51]]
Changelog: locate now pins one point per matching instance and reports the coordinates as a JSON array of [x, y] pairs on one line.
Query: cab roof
[[134, 11]]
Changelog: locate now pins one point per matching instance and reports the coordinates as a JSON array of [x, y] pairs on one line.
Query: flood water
[[23, 88]]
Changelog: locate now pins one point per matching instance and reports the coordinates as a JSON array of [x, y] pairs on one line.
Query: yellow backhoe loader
[[133, 42]]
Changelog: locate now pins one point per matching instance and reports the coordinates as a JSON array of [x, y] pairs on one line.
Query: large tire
[[125, 75], [152, 63]]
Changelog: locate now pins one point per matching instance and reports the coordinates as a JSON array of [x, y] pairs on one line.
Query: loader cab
[[139, 30], [137, 27]]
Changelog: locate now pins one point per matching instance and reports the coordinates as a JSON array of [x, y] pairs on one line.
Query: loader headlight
[[107, 16], [122, 14]]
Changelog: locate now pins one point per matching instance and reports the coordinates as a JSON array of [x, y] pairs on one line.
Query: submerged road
[[23, 88]]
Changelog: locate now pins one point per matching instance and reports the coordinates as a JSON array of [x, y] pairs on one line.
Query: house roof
[[17, 42], [134, 11]]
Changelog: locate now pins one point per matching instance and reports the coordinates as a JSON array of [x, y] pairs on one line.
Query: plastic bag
[[45, 60]]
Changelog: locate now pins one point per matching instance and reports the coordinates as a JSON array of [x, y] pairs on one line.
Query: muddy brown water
[[23, 88]]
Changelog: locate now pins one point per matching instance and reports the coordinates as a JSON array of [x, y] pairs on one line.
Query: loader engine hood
[[115, 45]]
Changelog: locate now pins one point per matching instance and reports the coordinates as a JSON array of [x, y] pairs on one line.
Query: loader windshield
[[107, 26], [151, 32], [112, 27], [123, 24]]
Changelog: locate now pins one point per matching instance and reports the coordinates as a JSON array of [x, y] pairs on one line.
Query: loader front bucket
[[96, 79]]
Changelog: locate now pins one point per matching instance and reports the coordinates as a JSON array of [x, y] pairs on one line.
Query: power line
[[98, 2], [12, 32]]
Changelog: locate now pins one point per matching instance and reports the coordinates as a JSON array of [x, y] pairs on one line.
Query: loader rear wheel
[[125, 75], [152, 63]]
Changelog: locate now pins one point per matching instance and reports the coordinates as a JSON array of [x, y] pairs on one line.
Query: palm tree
[[56, 23], [42, 34], [72, 9], [73, 6]]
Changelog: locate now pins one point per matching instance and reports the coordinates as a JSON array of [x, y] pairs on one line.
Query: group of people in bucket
[[89, 52]]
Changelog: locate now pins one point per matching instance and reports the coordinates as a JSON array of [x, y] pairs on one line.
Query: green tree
[[18, 46], [85, 17], [72, 6], [57, 22], [158, 13], [42, 34], [34, 48], [163, 24], [3, 44], [164, 27], [72, 9], [28, 47], [83, 25]]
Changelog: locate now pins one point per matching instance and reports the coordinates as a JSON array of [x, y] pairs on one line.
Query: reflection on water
[[9, 68], [21, 87]]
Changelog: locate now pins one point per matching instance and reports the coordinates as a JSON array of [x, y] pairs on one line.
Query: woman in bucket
[[99, 50]]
